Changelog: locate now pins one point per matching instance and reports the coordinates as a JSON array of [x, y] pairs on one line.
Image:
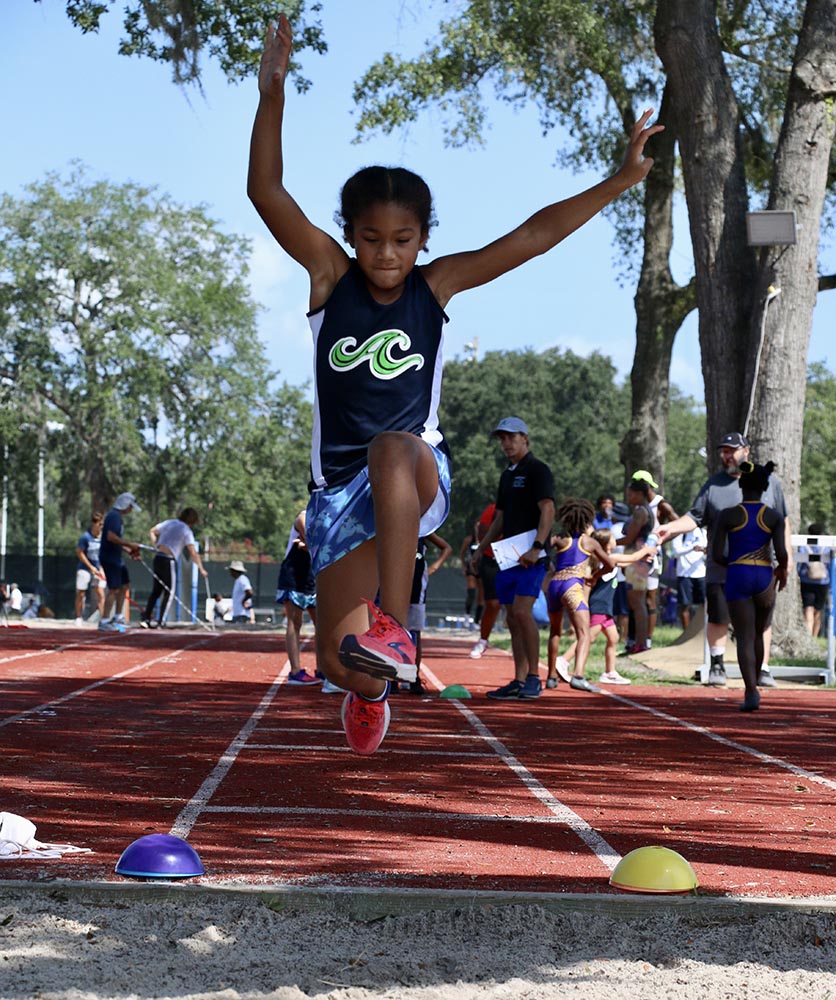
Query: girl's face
[[387, 239]]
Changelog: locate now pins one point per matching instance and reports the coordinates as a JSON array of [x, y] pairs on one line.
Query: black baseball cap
[[733, 440]]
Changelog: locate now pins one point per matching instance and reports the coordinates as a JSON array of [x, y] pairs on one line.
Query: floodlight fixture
[[771, 228]]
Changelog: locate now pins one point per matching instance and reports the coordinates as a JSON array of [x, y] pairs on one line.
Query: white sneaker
[[328, 687], [562, 668], [479, 648], [78, 621], [614, 678]]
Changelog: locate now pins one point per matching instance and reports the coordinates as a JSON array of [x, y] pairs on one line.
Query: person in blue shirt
[[89, 570], [110, 556]]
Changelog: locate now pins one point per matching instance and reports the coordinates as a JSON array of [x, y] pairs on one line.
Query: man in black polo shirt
[[525, 502]]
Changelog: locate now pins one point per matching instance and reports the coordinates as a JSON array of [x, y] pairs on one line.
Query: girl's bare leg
[[404, 481], [340, 593], [293, 617], [580, 623]]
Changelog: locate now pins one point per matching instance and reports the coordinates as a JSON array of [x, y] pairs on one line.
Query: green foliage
[[127, 319], [818, 456], [179, 32], [573, 408]]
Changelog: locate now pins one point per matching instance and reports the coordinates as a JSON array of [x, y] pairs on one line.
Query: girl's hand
[[275, 58], [636, 166], [781, 576]]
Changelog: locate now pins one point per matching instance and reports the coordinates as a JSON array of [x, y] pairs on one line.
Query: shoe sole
[[529, 697], [503, 697], [354, 657]]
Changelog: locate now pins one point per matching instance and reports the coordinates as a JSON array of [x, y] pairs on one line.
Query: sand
[[75, 945]]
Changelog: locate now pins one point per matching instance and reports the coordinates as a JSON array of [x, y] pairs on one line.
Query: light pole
[[4, 512], [50, 426]]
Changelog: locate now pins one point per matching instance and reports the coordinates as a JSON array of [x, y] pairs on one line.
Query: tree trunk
[[706, 121], [783, 322], [661, 306]]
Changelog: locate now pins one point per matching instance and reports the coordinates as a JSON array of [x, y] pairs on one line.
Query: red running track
[[106, 738]]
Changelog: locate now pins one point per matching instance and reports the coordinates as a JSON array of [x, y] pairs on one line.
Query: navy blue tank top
[[377, 368]]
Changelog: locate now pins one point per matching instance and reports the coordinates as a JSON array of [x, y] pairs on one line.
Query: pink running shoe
[[365, 722], [386, 651]]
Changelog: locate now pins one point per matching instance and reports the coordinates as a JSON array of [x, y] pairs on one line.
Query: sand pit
[[78, 945]]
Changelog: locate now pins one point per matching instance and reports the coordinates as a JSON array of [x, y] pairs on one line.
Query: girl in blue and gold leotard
[[566, 589], [744, 541]]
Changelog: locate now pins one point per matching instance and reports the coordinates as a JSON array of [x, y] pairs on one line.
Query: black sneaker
[[717, 675], [507, 691], [532, 688]]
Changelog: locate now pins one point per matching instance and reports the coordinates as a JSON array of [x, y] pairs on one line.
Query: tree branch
[[827, 282]]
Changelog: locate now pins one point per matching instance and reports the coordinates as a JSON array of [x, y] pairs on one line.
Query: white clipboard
[[507, 551]]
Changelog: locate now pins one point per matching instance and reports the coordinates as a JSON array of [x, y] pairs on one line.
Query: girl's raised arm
[[321, 256], [545, 229]]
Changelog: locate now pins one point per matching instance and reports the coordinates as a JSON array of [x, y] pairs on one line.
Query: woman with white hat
[[242, 593]]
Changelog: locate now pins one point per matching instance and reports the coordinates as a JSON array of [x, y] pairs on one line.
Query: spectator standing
[[296, 592], [486, 569], [718, 493], [115, 571], [473, 607], [637, 533], [416, 620], [524, 503], [744, 538], [88, 571], [604, 507], [662, 512], [814, 579], [15, 599], [170, 538], [689, 551]]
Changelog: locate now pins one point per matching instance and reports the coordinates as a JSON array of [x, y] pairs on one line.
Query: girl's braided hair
[[576, 515]]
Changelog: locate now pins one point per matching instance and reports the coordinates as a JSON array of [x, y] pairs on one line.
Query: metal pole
[[4, 513], [40, 520]]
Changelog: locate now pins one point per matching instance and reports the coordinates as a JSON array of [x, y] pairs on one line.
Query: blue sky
[[66, 96]]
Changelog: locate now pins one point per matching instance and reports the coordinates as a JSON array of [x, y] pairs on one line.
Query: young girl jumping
[[379, 464], [743, 542]]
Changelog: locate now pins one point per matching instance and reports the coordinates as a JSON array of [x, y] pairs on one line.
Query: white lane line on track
[[38, 709], [57, 649], [732, 744], [383, 814], [592, 838], [198, 803]]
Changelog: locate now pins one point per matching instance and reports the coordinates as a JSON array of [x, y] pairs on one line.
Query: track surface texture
[[109, 737]]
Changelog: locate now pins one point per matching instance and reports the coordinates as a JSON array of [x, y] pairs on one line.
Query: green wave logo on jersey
[[377, 351]]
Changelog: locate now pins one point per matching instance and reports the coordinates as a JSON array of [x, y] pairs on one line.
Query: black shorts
[[488, 568], [715, 598], [690, 591], [814, 596]]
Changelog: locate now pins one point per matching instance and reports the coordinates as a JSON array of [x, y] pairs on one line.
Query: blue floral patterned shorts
[[303, 601], [342, 518]]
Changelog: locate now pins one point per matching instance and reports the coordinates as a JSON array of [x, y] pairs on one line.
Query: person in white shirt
[[689, 550], [170, 538], [15, 599], [242, 593]]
